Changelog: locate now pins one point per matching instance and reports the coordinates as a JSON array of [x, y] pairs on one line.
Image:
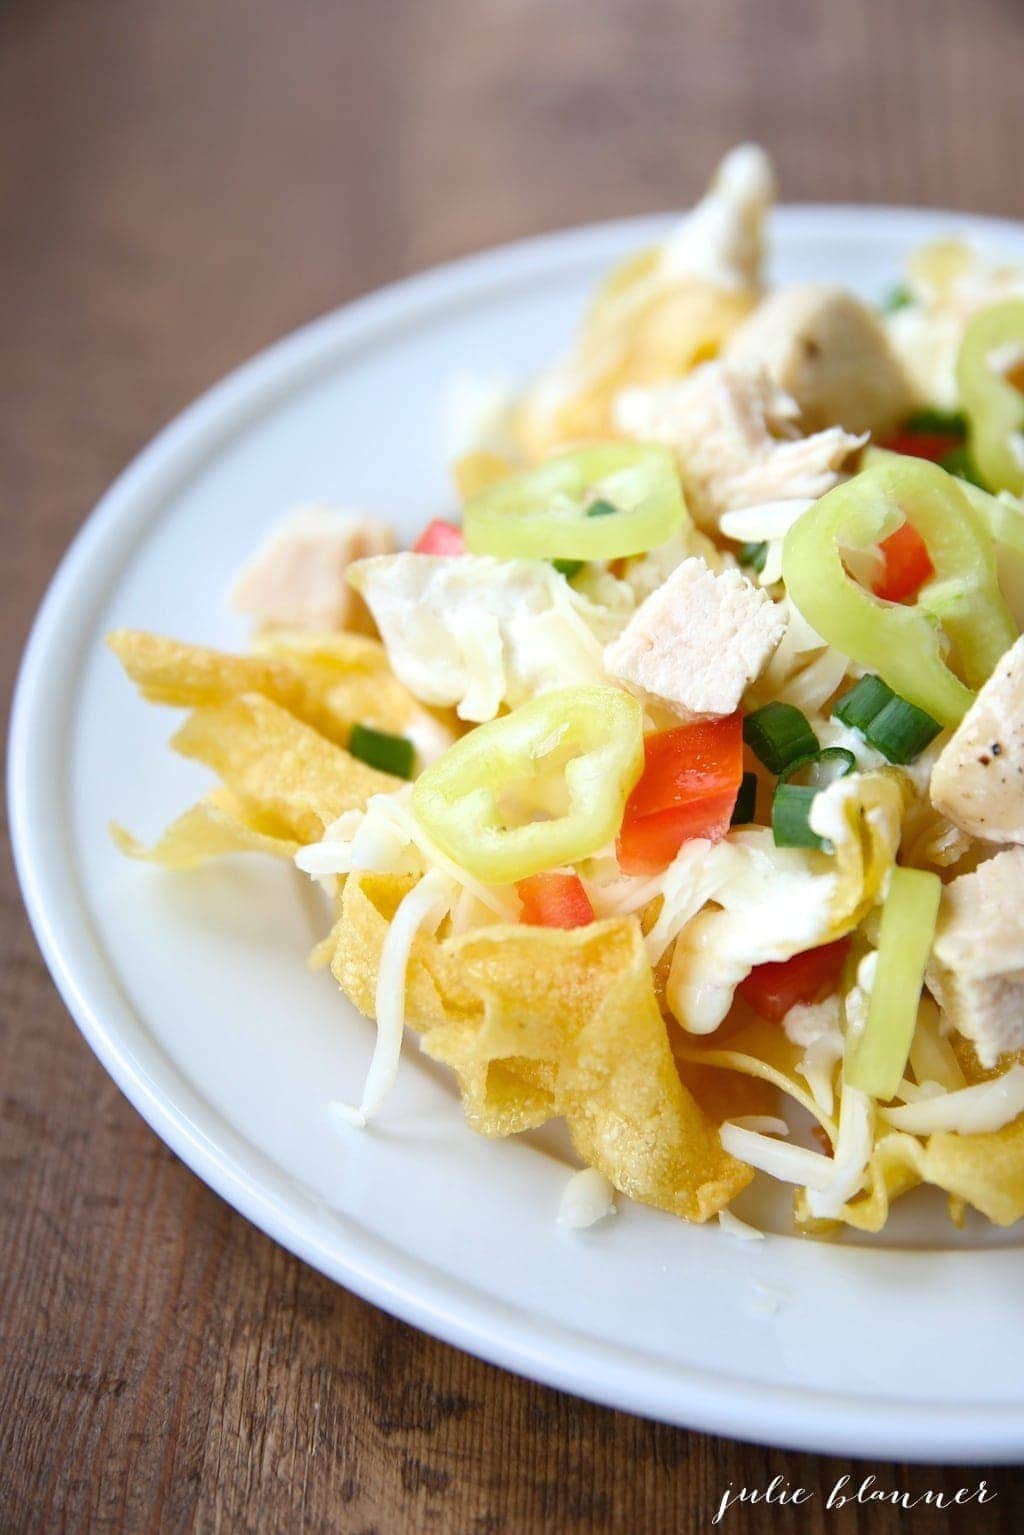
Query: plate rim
[[401, 1284]]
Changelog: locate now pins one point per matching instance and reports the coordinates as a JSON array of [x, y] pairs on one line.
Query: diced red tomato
[[688, 789], [440, 537], [930, 445], [773, 989], [649, 843], [554, 900], [1014, 376], [907, 565]]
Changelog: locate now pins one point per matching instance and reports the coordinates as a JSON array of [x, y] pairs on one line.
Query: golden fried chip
[[294, 778], [479, 470], [760, 1051], [540, 1023], [352, 677], [986, 1171], [191, 676], [329, 681], [220, 824], [642, 330], [578, 1008]]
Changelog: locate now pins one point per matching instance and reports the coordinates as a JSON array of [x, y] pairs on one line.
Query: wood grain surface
[[183, 181]]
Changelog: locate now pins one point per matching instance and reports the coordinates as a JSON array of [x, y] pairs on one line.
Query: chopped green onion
[[568, 568], [899, 297], [865, 699], [959, 462], [896, 728], [791, 817], [746, 801], [391, 754], [791, 806], [601, 509], [879, 1057], [823, 767], [901, 731], [754, 555], [951, 423], [779, 734]]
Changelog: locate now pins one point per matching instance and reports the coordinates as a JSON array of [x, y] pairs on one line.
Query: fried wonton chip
[[986, 1171], [351, 674], [478, 470], [642, 329], [760, 1051], [284, 771], [220, 824], [543, 1023], [330, 681], [167, 671]]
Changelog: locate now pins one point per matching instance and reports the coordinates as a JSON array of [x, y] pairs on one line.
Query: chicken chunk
[[826, 349], [722, 238], [736, 437], [297, 577], [978, 781], [976, 971], [697, 641], [659, 311]]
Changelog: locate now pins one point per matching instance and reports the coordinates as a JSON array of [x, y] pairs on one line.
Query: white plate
[[192, 989]]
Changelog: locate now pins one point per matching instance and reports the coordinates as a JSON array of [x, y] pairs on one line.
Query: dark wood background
[[181, 181]]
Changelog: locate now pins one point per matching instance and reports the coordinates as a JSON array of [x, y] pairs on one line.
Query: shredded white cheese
[[765, 1124], [587, 1198], [767, 520], [969, 1111], [422, 908], [852, 1155], [739, 1230], [790, 1164], [815, 1027]]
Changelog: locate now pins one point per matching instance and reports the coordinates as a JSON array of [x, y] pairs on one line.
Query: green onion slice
[[779, 734], [958, 461], [791, 817], [879, 1058], [951, 423], [901, 731], [746, 801], [568, 568], [865, 699], [391, 754], [820, 769], [896, 728], [753, 555], [791, 806], [899, 297]]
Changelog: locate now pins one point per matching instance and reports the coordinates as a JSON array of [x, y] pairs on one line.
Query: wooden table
[[183, 181]]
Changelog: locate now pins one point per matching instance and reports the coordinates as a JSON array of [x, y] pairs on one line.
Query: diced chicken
[[697, 642], [827, 349], [978, 781], [660, 311], [478, 632], [976, 971], [736, 437], [297, 576], [722, 239]]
